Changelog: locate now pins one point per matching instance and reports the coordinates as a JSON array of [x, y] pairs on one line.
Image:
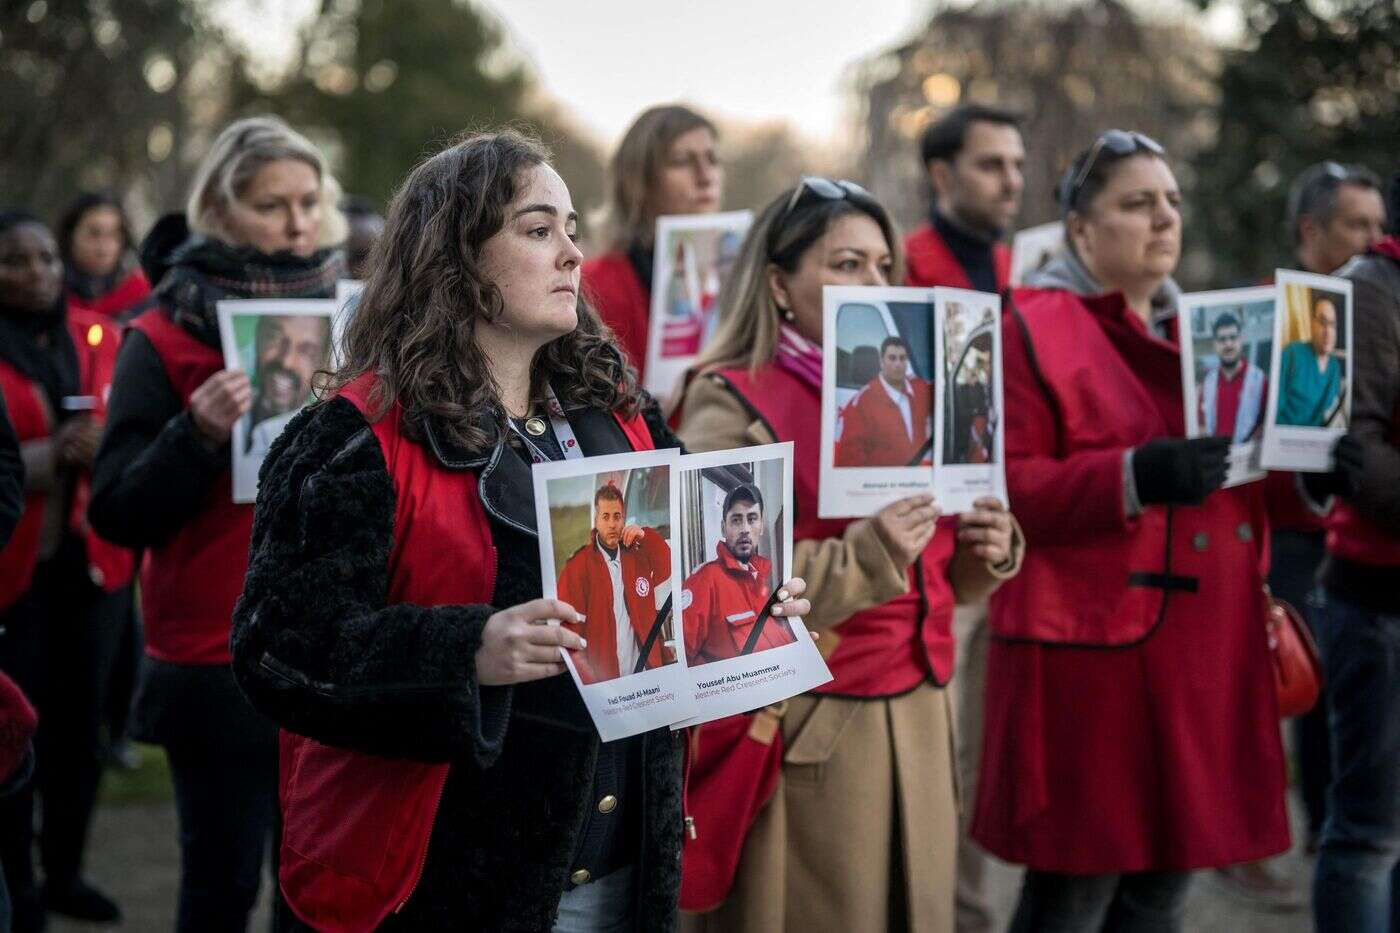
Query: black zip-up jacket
[[316, 648]]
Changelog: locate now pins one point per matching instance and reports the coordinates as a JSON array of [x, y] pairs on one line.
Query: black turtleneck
[[973, 253]]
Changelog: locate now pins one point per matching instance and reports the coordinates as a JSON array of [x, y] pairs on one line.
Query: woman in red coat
[[665, 164], [1131, 728], [99, 270]]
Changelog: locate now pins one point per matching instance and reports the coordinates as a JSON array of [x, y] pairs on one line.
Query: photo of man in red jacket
[[724, 599], [612, 582], [889, 421]]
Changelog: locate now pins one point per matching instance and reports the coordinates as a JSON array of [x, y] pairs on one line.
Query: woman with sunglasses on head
[[666, 164], [440, 770], [1131, 728], [862, 830]]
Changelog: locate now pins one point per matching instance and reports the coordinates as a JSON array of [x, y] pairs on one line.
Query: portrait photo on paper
[[969, 448], [878, 397], [607, 529], [281, 345], [1226, 346], [736, 553], [693, 256], [1309, 404]]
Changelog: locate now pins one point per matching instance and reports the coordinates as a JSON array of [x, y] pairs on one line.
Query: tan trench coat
[[861, 834]]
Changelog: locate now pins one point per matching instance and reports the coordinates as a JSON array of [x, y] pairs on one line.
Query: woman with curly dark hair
[[437, 771]]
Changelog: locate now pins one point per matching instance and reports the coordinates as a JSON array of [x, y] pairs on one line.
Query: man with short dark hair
[[887, 422], [611, 581], [1335, 212], [724, 599], [974, 158], [1233, 391], [1357, 885]]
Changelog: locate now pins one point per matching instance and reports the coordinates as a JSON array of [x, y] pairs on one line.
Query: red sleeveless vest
[[356, 827], [190, 583], [109, 566], [888, 649]]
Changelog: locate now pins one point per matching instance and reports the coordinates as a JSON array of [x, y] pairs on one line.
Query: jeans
[[603, 906], [226, 801], [1357, 885], [1140, 902], [1292, 573]]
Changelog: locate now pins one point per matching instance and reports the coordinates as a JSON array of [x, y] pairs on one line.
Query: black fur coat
[[316, 649]]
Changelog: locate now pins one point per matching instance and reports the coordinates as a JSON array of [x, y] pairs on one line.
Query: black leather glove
[[1177, 471], [1345, 478]]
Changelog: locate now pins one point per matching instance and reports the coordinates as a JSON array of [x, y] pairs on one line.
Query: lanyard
[[563, 432]]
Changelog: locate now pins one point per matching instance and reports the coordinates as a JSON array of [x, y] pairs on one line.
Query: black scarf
[[90, 287], [204, 272], [40, 347], [975, 254]]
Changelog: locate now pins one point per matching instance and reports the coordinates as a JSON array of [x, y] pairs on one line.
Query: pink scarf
[[799, 356]]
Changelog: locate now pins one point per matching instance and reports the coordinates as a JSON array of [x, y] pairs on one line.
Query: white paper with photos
[[575, 568], [693, 256], [719, 605], [1310, 376], [877, 437], [1033, 248], [1221, 330], [347, 298], [281, 344], [969, 436]]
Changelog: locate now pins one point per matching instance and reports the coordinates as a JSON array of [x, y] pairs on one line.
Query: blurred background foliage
[[126, 94]]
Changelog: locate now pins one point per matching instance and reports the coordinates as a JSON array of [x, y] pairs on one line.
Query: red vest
[[109, 566], [930, 262], [721, 601], [888, 649], [190, 583], [586, 584], [611, 286], [355, 827], [1084, 382], [127, 294]]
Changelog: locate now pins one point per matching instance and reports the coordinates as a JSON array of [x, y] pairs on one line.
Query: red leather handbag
[[1297, 667], [733, 772]]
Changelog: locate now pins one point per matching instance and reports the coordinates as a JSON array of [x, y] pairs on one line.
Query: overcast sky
[[747, 59]]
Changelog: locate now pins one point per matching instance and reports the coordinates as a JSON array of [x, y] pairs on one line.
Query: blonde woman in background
[[260, 223]]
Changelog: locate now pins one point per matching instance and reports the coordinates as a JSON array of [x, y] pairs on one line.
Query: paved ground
[[133, 855]]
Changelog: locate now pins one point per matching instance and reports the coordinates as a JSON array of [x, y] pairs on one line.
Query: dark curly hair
[[416, 320]]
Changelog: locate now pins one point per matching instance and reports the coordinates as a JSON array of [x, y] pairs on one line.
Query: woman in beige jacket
[[862, 830]]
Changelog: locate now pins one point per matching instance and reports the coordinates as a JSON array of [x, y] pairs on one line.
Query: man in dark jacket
[[973, 157], [1357, 885]]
